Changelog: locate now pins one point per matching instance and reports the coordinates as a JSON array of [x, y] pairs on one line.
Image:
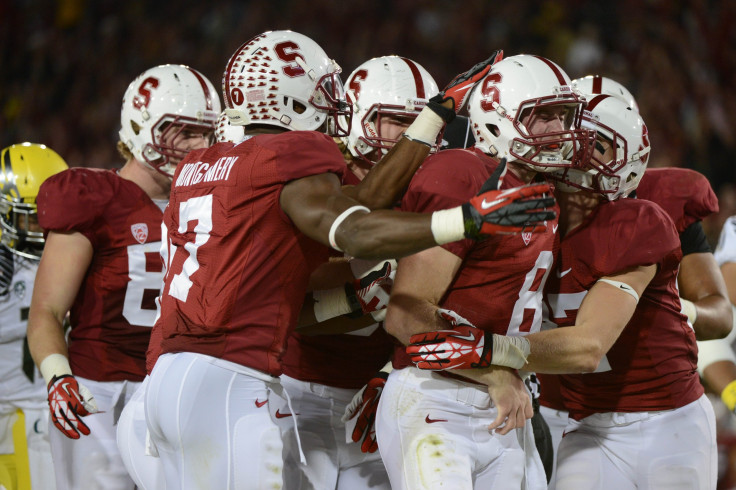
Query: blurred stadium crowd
[[66, 63]]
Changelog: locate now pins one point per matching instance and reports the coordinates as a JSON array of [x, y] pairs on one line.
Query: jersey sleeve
[[726, 249], [305, 153], [686, 195], [74, 200], [633, 233]]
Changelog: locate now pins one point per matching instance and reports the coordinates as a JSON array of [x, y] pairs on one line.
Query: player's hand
[[69, 401], [510, 397], [460, 87], [463, 347], [373, 290], [364, 406], [509, 211]]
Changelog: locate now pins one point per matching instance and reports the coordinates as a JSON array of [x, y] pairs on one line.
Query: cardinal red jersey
[[684, 194], [499, 285], [652, 365], [114, 310], [237, 266]]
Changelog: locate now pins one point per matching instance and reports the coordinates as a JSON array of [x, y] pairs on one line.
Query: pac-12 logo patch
[[140, 232], [527, 237]]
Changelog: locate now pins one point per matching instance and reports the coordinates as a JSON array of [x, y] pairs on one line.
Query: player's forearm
[[564, 350], [389, 178], [45, 334], [714, 317]]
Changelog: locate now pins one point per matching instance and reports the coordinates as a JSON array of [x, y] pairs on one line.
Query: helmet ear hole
[[136, 127], [495, 131]]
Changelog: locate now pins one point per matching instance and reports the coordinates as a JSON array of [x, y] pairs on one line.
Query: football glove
[[363, 410], [463, 347], [69, 401], [371, 292], [460, 87], [508, 211]]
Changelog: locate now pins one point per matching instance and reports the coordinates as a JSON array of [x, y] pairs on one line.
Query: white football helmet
[[284, 79], [624, 129], [597, 85], [227, 132], [160, 103], [385, 86], [516, 88]]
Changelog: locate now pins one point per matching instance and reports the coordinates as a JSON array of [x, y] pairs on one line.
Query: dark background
[[66, 63]]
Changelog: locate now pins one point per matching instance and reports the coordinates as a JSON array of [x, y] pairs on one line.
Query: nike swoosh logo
[[564, 432], [486, 205], [554, 228], [563, 273], [280, 415], [470, 337], [433, 421], [260, 404], [625, 287]]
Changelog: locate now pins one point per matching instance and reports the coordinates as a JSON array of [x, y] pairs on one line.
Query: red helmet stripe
[[595, 101], [555, 69], [597, 84], [205, 89], [418, 82]]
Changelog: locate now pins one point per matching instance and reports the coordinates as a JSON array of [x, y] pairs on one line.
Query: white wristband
[[54, 365], [510, 351], [689, 310], [448, 225], [339, 220], [425, 127], [329, 303], [622, 286]]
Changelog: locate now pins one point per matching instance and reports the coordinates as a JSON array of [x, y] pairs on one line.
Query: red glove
[[515, 210], [371, 291], [364, 407], [459, 88], [67, 406], [463, 347]]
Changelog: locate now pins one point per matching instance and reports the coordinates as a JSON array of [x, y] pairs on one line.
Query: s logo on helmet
[[144, 93], [354, 84], [288, 53], [490, 92]]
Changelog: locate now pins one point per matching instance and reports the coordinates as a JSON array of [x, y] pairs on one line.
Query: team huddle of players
[[358, 286]]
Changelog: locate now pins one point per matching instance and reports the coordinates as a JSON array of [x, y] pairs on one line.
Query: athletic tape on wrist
[[329, 303], [689, 310], [54, 365], [425, 127], [510, 351], [338, 221], [448, 225], [622, 286], [446, 114], [728, 395]]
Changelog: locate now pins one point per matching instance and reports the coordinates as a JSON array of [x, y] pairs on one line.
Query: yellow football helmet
[[23, 168]]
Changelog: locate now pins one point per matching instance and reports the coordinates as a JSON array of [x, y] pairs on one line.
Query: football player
[[631, 387], [101, 263], [23, 168], [435, 430], [686, 196], [248, 223], [322, 373]]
